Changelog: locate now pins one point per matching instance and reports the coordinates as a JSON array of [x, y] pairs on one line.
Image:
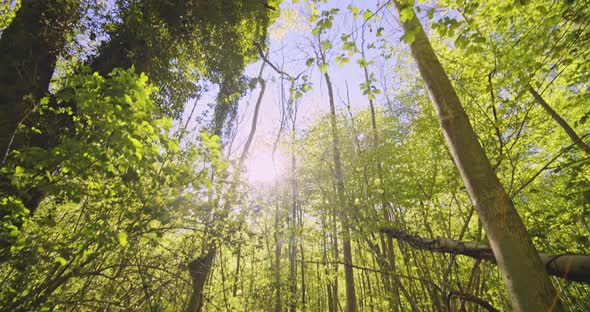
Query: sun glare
[[262, 169]]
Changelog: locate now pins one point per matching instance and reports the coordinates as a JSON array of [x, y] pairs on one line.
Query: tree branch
[[471, 298], [564, 125], [273, 66], [572, 267]]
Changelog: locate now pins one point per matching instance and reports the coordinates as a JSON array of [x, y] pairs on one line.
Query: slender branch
[[273, 66], [471, 298], [254, 118], [564, 125], [545, 167]]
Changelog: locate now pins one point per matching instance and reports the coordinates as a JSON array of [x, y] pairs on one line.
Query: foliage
[[120, 185], [129, 196], [8, 9]]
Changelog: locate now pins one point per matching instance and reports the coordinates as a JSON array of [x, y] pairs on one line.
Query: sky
[[290, 47]]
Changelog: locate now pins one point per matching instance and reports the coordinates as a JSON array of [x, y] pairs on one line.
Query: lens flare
[[263, 169]]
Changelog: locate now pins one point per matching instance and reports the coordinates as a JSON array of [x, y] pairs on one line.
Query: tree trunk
[[238, 264], [248, 143], [329, 289], [199, 270], [277, 268], [387, 244], [293, 225], [351, 305], [527, 282], [29, 49], [301, 250], [196, 300]]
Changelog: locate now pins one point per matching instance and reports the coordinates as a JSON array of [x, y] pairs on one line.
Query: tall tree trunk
[[522, 270], [335, 256], [303, 285], [301, 250], [29, 49], [248, 143], [293, 225], [277, 267], [331, 300], [387, 243], [351, 304], [238, 265]]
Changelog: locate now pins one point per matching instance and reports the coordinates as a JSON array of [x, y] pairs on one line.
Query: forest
[[295, 155]]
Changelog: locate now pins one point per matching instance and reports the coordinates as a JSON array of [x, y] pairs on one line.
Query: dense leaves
[[119, 185], [114, 196]]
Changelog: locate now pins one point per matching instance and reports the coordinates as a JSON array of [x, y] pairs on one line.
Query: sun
[[261, 168]]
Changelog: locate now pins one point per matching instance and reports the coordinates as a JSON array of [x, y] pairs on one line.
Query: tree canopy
[[207, 155]]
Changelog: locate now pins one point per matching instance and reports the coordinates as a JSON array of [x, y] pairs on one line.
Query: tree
[[30, 47], [162, 53], [123, 190], [351, 303], [515, 253]]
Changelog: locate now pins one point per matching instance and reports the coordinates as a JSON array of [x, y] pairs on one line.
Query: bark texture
[[527, 282]]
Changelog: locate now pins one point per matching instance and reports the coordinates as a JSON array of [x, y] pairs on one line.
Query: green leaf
[[309, 61], [61, 261], [362, 62], [122, 238], [173, 145], [343, 61], [14, 233], [430, 13], [135, 142], [406, 14], [409, 37], [379, 32], [128, 100]]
